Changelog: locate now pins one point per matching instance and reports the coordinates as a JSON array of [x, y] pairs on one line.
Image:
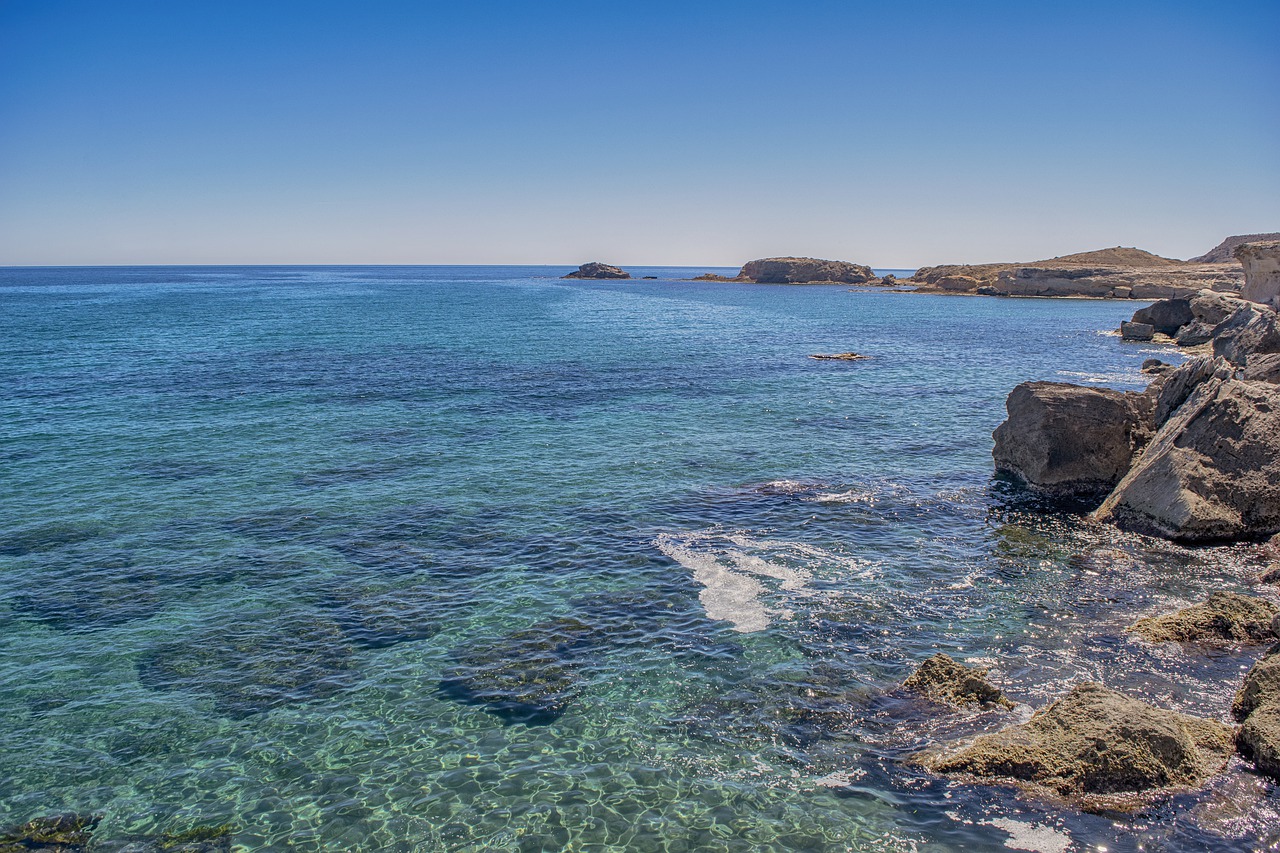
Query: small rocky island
[[799, 271], [597, 270]]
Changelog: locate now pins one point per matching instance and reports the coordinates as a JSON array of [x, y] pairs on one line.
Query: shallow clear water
[[476, 559]]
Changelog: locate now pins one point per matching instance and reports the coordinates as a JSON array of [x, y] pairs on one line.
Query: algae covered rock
[[947, 681], [1259, 739], [1094, 744], [251, 665], [1068, 439], [60, 833], [1261, 686], [1223, 616]]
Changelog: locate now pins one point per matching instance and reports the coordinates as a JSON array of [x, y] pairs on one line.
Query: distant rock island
[[595, 269], [1118, 273], [798, 271]]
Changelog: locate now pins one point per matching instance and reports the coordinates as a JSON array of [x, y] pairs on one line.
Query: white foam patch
[[726, 595], [1032, 836]]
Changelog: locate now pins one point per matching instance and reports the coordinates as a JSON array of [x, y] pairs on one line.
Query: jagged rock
[[1156, 367], [1212, 471], [804, 271], [1224, 616], [1251, 330], [1224, 252], [1166, 316], [1263, 367], [1194, 334], [1137, 331], [946, 681], [60, 833], [1176, 386], [1068, 439], [1261, 261], [595, 269], [1095, 742]]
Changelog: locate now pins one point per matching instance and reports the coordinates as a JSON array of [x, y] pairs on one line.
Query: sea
[[479, 559]]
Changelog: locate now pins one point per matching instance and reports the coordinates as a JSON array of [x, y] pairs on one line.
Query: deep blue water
[[474, 559]]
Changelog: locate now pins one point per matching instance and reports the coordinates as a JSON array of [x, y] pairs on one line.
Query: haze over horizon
[[896, 135]]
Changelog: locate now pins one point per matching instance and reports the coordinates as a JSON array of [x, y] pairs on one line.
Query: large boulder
[[1212, 471], [1132, 331], [1251, 330], [1211, 307], [1261, 263], [1166, 316], [596, 269], [804, 271], [1223, 616], [1068, 439], [944, 680], [1095, 742]]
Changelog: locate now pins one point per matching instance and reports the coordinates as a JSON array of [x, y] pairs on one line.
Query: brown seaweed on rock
[[949, 682], [60, 833], [1223, 616]]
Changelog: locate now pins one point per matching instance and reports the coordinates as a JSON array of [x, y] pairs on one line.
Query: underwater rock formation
[[60, 833], [1223, 616], [1094, 744], [946, 681]]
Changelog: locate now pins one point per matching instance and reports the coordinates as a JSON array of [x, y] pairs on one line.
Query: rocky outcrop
[[1109, 273], [1212, 471], [1224, 252], [1257, 706], [1251, 330], [1224, 616], [1095, 744], [1166, 316], [805, 271], [944, 680], [597, 270], [1261, 262], [1068, 439]]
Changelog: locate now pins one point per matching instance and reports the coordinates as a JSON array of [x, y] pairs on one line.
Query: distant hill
[[1117, 257], [1222, 253]]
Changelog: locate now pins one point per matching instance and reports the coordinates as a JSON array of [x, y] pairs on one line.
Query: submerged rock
[[804, 271], [947, 681], [595, 269], [60, 833], [377, 619], [1212, 472], [530, 677], [1224, 616], [1094, 744], [200, 839], [1068, 439], [249, 666]]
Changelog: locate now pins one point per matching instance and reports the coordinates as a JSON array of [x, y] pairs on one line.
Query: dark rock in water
[[598, 270], [1068, 439], [946, 681], [252, 665], [1094, 744], [989, 290], [1261, 686], [1224, 616], [1263, 367], [839, 356], [1156, 367], [1212, 472], [1258, 740], [531, 676], [201, 839], [97, 590], [649, 277], [1166, 316], [61, 833], [804, 271], [1137, 331]]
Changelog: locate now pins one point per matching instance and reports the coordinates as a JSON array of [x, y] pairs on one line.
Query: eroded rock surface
[[1224, 616], [1068, 439], [944, 680], [1261, 261], [1257, 706], [804, 271], [1096, 743]]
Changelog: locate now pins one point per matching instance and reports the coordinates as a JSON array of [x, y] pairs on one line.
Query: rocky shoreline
[[1195, 458]]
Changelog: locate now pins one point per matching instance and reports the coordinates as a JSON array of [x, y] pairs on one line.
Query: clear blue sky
[[888, 133]]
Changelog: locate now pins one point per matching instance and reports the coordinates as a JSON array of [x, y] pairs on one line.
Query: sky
[[895, 134]]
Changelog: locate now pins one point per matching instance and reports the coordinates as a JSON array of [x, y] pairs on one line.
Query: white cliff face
[[1261, 272]]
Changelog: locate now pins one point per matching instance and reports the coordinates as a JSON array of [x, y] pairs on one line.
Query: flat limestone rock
[[944, 680], [1097, 748], [1212, 471], [1224, 616], [1068, 439], [597, 270]]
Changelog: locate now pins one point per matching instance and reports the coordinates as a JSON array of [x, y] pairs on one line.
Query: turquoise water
[[475, 559]]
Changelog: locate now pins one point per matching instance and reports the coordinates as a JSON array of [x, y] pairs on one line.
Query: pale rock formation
[[1261, 263]]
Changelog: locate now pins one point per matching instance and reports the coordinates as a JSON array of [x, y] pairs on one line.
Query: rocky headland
[[1194, 458], [799, 271], [597, 270]]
